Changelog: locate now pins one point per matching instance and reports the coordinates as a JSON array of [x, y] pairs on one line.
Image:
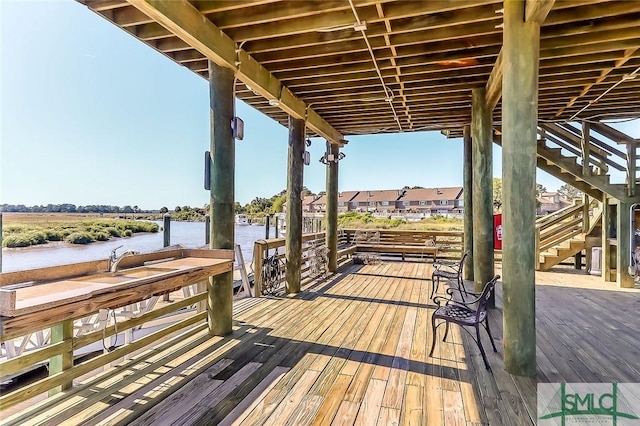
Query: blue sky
[[90, 115]]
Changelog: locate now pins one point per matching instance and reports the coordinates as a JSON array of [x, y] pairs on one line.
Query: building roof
[[346, 196], [433, 194], [309, 199], [321, 200], [378, 195]]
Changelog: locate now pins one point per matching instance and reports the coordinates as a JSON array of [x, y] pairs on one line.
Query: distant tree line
[[271, 205], [69, 208]]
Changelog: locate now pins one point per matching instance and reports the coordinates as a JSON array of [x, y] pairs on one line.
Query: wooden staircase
[[562, 234], [583, 158]]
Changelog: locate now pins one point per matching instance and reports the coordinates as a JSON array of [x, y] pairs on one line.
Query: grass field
[[26, 229], [367, 221]]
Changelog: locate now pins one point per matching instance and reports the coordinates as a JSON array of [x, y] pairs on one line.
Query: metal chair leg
[[446, 331], [486, 326], [479, 342], [433, 334], [435, 283]]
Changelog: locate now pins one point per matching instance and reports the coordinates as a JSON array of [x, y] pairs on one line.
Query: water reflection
[[189, 234]]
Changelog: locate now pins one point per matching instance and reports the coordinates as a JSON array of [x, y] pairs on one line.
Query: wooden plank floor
[[354, 350]]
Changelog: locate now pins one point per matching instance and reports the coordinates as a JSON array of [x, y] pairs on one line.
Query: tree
[[164, 210], [540, 189], [569, 192], [177, 209], [278, 202], [497, 194]]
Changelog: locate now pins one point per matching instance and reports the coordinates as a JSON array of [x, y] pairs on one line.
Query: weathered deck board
[[353, 349]]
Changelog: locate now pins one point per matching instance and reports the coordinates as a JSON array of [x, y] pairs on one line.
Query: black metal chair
[[461, 313], [451, 271]]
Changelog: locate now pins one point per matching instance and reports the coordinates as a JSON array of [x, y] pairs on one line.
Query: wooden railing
[[600, 147], [560, 226], [264, 249], [104, 329], [449, 243]]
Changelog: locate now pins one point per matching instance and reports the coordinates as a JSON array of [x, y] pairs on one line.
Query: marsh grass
[[355, 220], [41, 230]]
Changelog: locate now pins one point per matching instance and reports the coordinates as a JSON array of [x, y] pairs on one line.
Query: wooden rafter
[[191, 26], [431, 54]]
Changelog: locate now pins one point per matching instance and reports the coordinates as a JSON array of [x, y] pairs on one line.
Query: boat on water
[[242, 220]]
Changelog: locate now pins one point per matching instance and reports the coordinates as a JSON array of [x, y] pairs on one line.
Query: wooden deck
[[353, 350]]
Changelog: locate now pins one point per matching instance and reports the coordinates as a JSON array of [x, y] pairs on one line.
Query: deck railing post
[[257, 268], [58, 364]]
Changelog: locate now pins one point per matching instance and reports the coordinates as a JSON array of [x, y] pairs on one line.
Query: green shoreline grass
[[29, 233]]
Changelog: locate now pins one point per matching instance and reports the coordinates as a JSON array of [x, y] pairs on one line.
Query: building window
[[443, 202], [406, 203], [443, 211], [341, 204], [385, 203], [372, 203], [354, 204], [423, 203]]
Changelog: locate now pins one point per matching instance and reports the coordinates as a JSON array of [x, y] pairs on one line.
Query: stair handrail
[[559, 215], [559, 226]]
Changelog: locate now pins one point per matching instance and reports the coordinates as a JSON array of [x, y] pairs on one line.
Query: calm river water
[[189, 234]]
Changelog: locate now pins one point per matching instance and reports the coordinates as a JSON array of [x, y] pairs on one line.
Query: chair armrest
[[446, 268], [451, 290], [446, 263]]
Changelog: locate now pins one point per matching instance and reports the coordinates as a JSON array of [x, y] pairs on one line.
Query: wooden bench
[[402, 249]]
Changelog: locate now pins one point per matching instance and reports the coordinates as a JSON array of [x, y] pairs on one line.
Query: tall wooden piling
[[220, 288], [482, 187], [332, 207], [467, 196], [521, 42], [293, 237], [623, 239], [166, 230]]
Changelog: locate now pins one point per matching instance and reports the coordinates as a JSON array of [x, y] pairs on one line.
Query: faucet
[[114, 260]]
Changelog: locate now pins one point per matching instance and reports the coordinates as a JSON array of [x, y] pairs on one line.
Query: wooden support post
[[623, 237], [481, 136], [578, 260], [166, 241], [207, 229], [332, 207], [631, 168], [267, 219], [293, 236], [586, 219], [166, 230], [59, 333], [585, 144], [521, 48], [606, 237], [258, 259], [467, 195], [220, 289]]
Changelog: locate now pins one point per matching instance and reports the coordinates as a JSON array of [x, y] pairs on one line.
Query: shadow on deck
[[353, 349]]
